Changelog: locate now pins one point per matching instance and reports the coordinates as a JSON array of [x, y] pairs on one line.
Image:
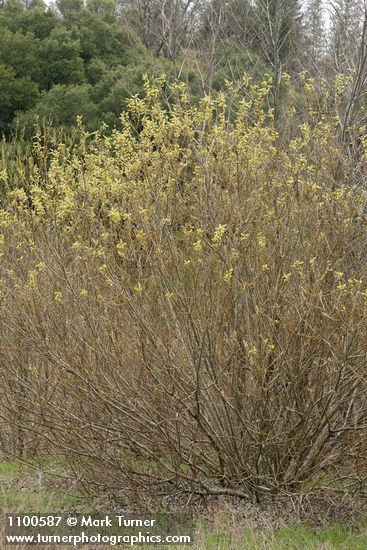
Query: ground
[[226, 526]]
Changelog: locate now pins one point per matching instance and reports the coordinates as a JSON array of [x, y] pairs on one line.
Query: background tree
[[103, 8], [16, 93], [164, 25], [315, 39], [66, 7], [60, 58], [278, 32], [346, 27]]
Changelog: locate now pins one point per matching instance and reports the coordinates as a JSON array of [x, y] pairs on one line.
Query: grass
[[307, 537], [9, 469], [23, 489], [288, 538]]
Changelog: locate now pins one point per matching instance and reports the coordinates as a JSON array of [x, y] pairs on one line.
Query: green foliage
[[16, 93], [232, 61], [37, 21], [98, 38], [60, 59], [22, 53], [66, 7], [83, 63], [61, 106], [103, 8], [44, 52]]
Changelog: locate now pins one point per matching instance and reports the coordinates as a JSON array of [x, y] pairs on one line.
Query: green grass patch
[[9, 469], [285, 538], [289, 538], [23, 488], [311, 538]]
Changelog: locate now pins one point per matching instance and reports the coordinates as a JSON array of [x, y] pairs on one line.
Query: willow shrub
[[183, 302]]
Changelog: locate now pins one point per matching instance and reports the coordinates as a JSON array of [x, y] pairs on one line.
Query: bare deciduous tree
[[348, 47], [314, 39], [165, 25], [278, 32]]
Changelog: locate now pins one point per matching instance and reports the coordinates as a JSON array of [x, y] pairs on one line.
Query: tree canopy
[[87, 57]]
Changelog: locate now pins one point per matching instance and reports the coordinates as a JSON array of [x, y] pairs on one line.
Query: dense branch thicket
[[183, 302]]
